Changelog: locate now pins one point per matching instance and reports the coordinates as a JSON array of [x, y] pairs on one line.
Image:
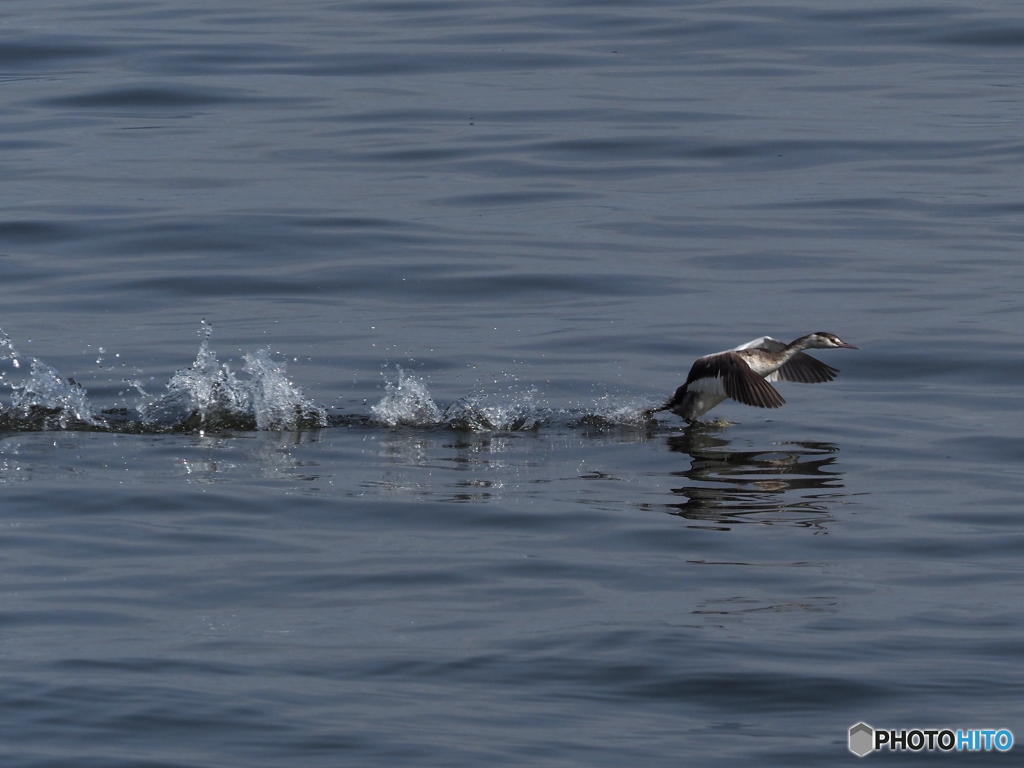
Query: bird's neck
[[804, 342]]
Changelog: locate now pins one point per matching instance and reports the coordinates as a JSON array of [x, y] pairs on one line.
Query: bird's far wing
[[739, 382], [766, 343], [804, 369]]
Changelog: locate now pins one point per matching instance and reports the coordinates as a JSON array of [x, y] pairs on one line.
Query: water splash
[[43, 399], [407, 403], [209, 396], [479, 413], [276, 402], [46, 397], [613, 410], [11, 353], [197, 396]]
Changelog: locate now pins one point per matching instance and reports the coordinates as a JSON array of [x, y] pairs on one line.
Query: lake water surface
[[329, 328]]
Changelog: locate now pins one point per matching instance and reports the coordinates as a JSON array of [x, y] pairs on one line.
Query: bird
[[743, 373]]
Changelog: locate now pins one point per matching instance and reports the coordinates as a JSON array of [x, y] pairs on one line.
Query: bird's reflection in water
[[788, 483]]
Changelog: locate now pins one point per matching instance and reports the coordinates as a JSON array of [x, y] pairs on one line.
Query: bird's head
[[823, 340]]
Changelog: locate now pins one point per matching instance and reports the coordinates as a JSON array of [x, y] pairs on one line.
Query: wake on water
[[208, 396]]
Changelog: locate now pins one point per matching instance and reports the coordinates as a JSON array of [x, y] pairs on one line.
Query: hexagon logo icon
[[862, 737]]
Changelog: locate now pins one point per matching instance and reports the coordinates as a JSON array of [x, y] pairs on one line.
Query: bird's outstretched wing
[[728, 373], [804, 369]]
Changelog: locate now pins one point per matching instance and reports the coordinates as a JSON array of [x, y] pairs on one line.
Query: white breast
[[709, 385]]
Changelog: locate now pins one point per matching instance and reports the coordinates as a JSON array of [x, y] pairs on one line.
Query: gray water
[[448, 252]]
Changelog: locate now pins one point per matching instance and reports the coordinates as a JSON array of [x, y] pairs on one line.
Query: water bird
[[743, 373]]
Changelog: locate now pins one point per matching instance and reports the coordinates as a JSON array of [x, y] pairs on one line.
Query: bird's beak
[[844, 345]]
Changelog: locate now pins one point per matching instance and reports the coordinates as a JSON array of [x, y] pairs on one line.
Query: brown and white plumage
[[743, 373]]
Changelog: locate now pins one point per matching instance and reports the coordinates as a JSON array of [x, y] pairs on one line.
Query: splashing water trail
[[209, 396]]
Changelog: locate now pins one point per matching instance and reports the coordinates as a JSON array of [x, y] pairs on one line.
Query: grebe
[[743, 373]]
